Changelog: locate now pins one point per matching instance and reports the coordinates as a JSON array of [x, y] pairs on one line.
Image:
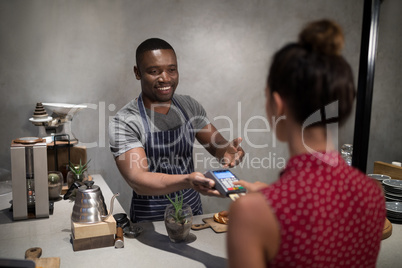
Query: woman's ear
[[279, 108], [137, 73]]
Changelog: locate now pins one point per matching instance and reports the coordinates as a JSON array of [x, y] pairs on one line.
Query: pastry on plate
[[222, 217]]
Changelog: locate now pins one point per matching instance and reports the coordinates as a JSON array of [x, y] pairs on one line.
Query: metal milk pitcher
[[89, 206]]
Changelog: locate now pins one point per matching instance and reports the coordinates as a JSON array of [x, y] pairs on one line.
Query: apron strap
[[144, 116]]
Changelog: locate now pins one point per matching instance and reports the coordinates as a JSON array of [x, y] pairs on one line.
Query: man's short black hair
[[150, 44]]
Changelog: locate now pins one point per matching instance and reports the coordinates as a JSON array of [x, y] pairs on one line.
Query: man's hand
[[234, 154], [203, 185]]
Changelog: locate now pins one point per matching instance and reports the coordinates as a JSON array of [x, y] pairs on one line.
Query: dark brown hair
[[311, 73]]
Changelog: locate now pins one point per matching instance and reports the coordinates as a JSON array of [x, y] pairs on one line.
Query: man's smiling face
[[159, 76]]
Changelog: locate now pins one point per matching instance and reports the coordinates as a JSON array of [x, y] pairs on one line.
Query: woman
[[321, 212]]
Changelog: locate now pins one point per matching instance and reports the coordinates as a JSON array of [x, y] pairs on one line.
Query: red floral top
[[330, 214]]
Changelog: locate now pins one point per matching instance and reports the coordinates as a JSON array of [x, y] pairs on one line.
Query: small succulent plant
[[79, 169], [178, 216]]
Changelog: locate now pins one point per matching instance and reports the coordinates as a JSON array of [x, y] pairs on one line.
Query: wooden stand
[[82, 230], [77, 153], [94, 235], [92, 242]]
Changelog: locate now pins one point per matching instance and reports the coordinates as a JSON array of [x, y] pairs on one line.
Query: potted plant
[[55, 179], [77, 173], [178, 219]]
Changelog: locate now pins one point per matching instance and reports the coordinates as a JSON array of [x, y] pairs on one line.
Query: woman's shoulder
[[253, 216]]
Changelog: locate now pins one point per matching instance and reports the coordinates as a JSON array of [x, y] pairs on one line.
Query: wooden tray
[[209, 222], [34, 254]]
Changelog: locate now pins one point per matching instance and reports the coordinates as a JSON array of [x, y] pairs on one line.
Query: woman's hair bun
[[323, 36]]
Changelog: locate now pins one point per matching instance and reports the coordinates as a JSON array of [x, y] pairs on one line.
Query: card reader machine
[[224, 179]]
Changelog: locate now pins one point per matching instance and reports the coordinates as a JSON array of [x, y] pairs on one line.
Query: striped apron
[[169, 152]]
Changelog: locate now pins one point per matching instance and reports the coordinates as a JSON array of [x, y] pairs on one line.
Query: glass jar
[[178, 224], [347, 152], [55, 184]]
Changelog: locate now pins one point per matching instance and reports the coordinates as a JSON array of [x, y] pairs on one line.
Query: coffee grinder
[[59, 123], [29, 178]]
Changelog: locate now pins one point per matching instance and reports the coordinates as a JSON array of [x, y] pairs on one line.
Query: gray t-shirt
[[126, 130]]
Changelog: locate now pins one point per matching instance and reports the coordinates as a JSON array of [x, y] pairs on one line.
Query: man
[[152, 138]]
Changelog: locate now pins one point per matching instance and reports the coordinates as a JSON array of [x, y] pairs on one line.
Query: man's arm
[[133, 166], [228, 153]]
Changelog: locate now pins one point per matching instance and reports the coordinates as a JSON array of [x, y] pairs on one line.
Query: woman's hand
[[251, 186]]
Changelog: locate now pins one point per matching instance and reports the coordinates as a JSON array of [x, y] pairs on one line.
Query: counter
[[151, 249]]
